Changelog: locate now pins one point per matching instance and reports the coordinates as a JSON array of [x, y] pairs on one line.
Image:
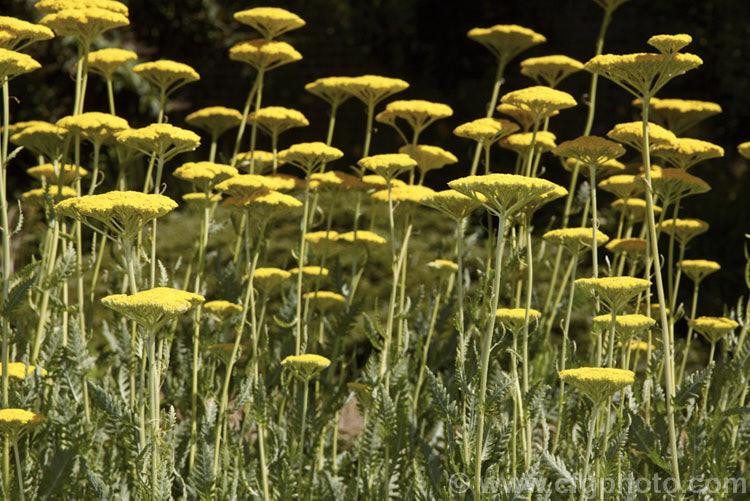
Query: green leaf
[[21, 283], [692, 387], [645, 440]]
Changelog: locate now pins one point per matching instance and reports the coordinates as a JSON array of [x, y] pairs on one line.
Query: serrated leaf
[[692, 387]]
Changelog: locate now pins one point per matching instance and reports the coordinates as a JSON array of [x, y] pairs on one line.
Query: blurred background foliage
[[424, 42]]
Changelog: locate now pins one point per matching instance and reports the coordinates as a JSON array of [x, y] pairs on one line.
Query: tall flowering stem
[[485, 359], [666, 331]]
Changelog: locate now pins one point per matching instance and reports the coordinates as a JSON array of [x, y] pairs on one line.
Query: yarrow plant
[[379, 322]]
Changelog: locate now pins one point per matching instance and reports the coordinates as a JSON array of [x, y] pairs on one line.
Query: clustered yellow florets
[[613, 291], [575, 239], [550, 70], [123, 212], [698, 269], [598, 383], [15, 34], [106, 61], [205, 175], [713, 328], [506, 41], [151, 308], [270, 21], [84, 24], [215, 119], [513, 319], [13, 64], [306, 366], [539, 101], [264, 55]]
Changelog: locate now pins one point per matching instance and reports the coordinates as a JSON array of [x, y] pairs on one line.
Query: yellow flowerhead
[[591, 151], [42, 139], [626, 326], [539, 101], [270, 21], [153, 307], [19, 370], [411, 194], [205, 175], [418, 113], [513, 318], [15, 34], [200, 201], [671, 185], [273, 120], [310, 272], [452, 203], [245, 185], [371, 89], [263, 160], [634, 345], [264, 55], [39, 196], [56, 173], [268, 279], [575, 239], [521, 142], [376, 182], [306, 366], [698, 269], [51, 6], [623, 186], [13, 64], [606, 169], [744, 149], [333, 90], [634, 208], [164, 140], [222, 310], [615, 292], [506, 41], [598, 383], [486, 130], [523, 117], [684, 152], [684, 230], [679, 115], [310, 156], [123, 212], [215, 120], [363, 237], [429, 157], [632, 247], [166, 75], [15, 423], [550, 70], [98, 128], [324, 301], [713, 328], [106, 61], [84, 24], [631, 133], [388, 165], [267, 205], [669, 44], [323, 241], [538, 202], [503, 194], [642, 74], [443, 266], [335, 179]]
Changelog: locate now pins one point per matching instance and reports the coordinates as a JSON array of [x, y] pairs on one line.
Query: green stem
[[667, 343], [243, 123], [563, 352], [159, 170], [525, 334], [368, 130], [686, 350], [485, 360], [301, 453], [586, 458], [300, 265], [19, 470], [490, 110], [111, 97], [254, 127]]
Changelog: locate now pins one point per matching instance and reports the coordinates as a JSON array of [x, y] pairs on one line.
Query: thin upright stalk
[[564, 350], [7, 267], [666, 337], [300, 265], [485, 360], [19, 470], [586, 458], [686, 350], [490, 110], [525, 334]]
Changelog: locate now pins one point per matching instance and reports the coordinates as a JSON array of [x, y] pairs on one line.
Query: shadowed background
[[424, 42]]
